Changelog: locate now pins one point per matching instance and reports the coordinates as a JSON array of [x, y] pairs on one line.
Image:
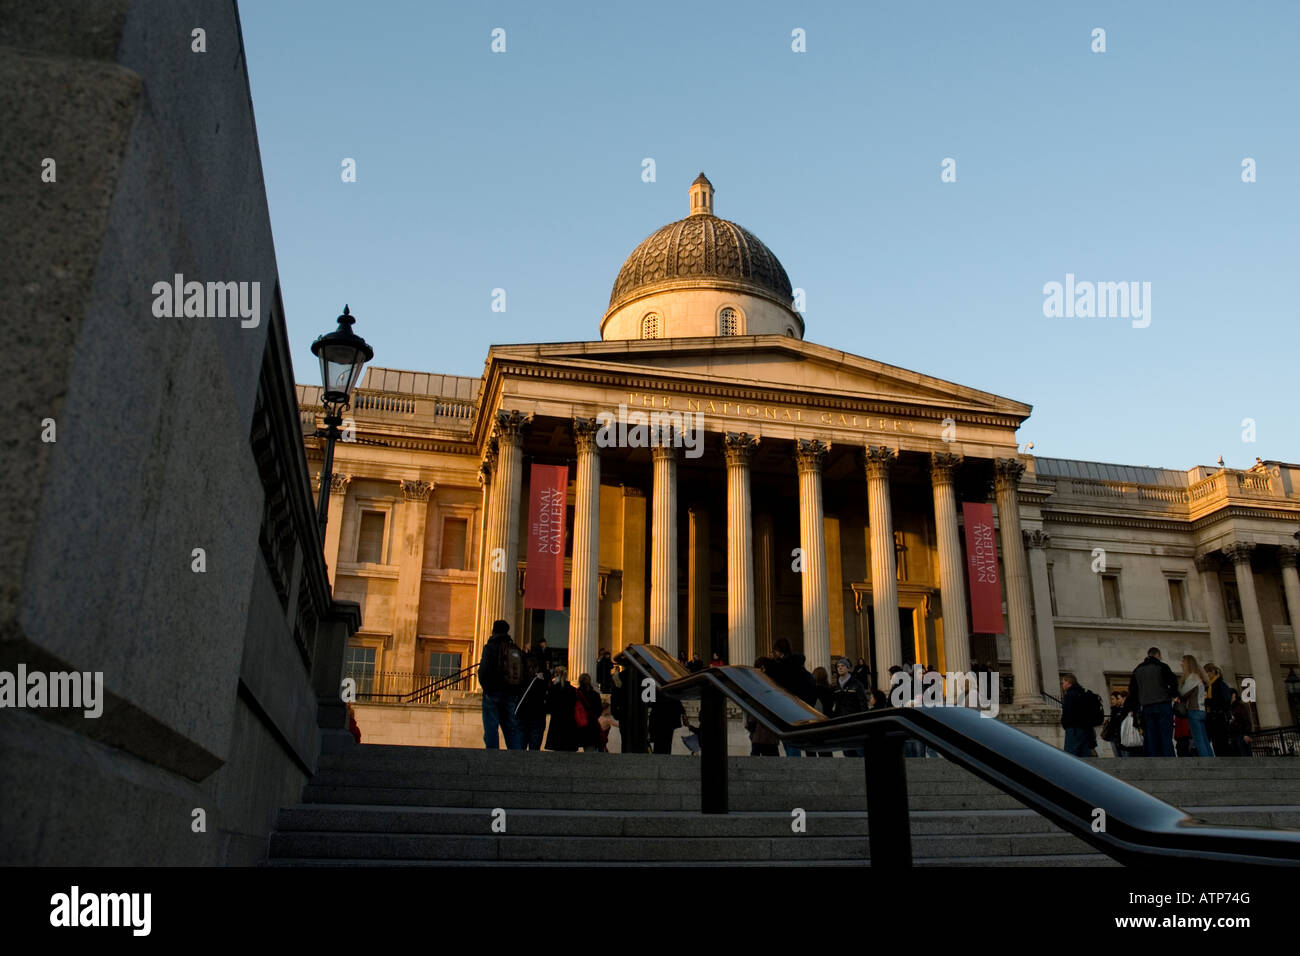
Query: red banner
[[982, 569], [547, 490]]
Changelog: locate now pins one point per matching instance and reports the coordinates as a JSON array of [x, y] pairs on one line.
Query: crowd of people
[[1161, 714]]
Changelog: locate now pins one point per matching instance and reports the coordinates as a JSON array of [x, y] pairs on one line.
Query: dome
[[702, 251]]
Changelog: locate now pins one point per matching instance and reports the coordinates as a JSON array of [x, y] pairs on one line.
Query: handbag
[[1180, 709], [580, 715], [1129, 734]]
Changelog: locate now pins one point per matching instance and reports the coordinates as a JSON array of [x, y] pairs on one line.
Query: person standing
[[604, 667], [1239, 727], [501, 674], [1077, 717], [848, 696], [1153, 688], [666, 715], [787, 671], [587, 716], [1192, 694], [1111, 729], [531, 711], [561, 700], [1218, 710], [825, 700]]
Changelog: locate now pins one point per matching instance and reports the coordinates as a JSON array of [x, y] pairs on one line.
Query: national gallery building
[[725, 482]]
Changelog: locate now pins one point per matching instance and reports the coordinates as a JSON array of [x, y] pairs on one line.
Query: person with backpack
[[1081, 714], [501, 674], [561, 704]]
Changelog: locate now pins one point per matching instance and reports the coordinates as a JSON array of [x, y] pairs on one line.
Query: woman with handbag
[[1192, 697]]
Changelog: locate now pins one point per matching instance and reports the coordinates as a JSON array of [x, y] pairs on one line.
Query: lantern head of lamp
[[342, 353]]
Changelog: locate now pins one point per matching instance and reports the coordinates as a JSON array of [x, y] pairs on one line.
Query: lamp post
[[341, 353]]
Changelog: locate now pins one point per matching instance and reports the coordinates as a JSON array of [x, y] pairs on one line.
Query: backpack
[[580, 715], [1091, 713], [510, 663]]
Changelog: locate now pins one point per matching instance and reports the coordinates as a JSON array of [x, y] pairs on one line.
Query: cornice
[[1180, 526]]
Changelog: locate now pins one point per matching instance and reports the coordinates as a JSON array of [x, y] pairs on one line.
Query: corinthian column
[[1020, 624], [884, 567], [810, 455], [952, 585], [764, 582], [410, 572], [502, 556], [1036, 544], [740, 550], [1265, 697], [1220, 647], [485, 469], [584, 583], [1287, 557], [663, 545]]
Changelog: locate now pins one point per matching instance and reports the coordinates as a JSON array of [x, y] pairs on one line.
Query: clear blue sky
[[522, 171]]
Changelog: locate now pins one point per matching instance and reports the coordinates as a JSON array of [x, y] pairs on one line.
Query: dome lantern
[[701, 196]]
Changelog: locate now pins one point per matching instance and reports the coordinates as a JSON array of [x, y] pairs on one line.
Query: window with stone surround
[[454, 533], [1110, 595], [370, 539], [1177, 599], [650, 326], [728, 322]]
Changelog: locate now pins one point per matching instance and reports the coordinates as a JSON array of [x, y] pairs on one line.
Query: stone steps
[[405, 806]]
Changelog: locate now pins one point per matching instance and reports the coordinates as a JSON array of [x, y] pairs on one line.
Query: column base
[[1036, 719]]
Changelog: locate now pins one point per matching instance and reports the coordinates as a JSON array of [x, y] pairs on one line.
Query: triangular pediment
[[770, 362]]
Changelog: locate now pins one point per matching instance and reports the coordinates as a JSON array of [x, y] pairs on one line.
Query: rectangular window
[[453, 543], [370, 542], [359, 664], [1177, 602], [1110, 593], [1231, 602], [442, 664], [1051, 589]]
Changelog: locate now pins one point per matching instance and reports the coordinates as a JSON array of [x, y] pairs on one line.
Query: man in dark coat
[[1080, 738], [666, 715], [604, 667], [1151, 692], [560, 701], [848, 696], [787, 671], [500, 698]]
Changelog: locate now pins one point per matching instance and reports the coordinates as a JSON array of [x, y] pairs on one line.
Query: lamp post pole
[[331, 434]]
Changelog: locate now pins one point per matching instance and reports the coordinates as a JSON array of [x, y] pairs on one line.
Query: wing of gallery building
[[808, 493]]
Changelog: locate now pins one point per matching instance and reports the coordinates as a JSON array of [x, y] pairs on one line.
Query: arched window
[[650, 326], [728, 322], [789, 331]]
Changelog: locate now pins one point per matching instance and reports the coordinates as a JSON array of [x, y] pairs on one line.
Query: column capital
[[416, 490], [943, 467], [1287, 555], [1238, 552], [810, 453], [1036, 539], [1206, 563], [878, 459], [511, 426], [339, 484], [489, 463], [584, 435], [1007, 472], [739, 447], [661, 451]]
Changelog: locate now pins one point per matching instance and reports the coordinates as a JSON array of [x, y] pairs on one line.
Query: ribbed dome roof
[[702, 247]]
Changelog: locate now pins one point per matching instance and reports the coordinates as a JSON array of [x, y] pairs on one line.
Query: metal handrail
[[1138, 828], [438, 684]]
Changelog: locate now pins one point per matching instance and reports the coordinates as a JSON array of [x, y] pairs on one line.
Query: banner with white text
[[982, 569], [547, 489]]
